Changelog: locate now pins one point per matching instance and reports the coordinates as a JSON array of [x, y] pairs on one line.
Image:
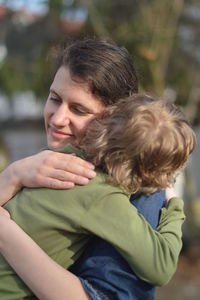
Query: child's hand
[[4, 212], [170, 193]]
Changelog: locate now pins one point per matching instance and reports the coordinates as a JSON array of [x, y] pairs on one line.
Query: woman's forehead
[[69, 90]]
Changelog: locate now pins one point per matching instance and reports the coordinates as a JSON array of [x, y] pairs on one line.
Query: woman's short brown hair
[[106, 67], [141, 143]]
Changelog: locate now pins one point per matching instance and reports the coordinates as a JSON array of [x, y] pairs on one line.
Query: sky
[[37, 6]]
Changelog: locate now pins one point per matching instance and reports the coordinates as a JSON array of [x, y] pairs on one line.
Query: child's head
[[141, 143]]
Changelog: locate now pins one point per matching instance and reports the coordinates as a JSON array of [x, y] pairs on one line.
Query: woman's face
[[69, 109]]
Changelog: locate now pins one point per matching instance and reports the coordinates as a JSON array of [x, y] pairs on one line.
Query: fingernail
[[91, 166], [92, 174], [84, 181]]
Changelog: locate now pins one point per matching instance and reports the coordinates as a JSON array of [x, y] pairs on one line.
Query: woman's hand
[[45, 169], [54, 170]]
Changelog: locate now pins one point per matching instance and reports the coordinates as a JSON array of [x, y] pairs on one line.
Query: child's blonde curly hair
[[141, 143]]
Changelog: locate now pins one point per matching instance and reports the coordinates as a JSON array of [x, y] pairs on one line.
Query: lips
[[59, 134]]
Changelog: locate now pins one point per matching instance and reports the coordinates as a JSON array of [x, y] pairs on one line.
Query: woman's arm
[[45, 169], [41, 274], [143, 257], [49, 281], [152, 255]]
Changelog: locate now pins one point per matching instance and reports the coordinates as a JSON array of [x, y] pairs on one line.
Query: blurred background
[[163, 38]]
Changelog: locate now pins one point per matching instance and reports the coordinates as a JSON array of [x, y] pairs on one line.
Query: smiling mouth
[[60, 134]]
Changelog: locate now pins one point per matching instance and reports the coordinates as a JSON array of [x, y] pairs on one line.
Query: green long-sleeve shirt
[[61, 222]]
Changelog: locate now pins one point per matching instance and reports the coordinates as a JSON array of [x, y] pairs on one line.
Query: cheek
[[48, 111]]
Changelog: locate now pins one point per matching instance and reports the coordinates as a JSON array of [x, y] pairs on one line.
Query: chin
[[53, 146], [56, 145]]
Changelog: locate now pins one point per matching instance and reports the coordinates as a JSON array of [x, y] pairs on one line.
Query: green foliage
[[151, 31], [4, 155], [12, 77], [155, 33]]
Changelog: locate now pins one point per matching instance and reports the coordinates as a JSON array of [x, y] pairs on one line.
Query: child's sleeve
[[152, 254]]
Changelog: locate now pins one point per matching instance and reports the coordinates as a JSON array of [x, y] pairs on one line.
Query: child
[[141, 144]]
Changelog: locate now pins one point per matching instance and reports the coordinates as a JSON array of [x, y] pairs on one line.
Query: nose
[[61, 117]]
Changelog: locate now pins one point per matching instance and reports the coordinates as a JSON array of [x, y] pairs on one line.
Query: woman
[[100, 74]]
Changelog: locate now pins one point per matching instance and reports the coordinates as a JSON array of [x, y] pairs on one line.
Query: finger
[[74, 168], [61, 175], [66, 158], [53, 183], [80, 170]]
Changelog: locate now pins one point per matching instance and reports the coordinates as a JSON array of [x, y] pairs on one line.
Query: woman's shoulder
[[101, 185]]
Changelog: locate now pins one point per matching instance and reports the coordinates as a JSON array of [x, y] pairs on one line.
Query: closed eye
[[55, 99], [79, 110], [53, 96]]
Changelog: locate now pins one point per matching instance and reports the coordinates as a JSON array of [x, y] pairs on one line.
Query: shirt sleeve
[[152, 254]]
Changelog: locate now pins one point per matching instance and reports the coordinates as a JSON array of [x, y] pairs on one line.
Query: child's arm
[[45, 169], [42, 275]]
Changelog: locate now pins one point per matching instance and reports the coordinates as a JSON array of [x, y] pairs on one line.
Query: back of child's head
[[141, 143]]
